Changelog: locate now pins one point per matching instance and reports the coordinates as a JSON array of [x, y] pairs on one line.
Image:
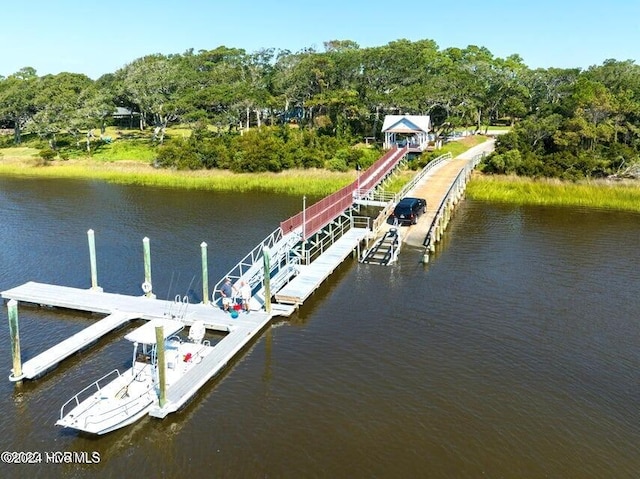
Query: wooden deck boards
[[189, 384], [311, 276], [122, 308], [54, 355]]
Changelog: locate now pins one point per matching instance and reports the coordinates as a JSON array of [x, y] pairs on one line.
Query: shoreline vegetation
[[312, 182], [522, 191], [510, 189]]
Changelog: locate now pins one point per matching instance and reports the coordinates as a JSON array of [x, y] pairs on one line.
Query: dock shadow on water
[[513, 354]]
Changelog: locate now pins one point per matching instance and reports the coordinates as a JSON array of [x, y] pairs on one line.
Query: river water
[[514, 353]]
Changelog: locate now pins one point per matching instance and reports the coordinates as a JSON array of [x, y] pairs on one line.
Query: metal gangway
[[302, 239]]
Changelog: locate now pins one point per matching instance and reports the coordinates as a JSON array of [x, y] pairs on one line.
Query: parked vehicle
[[408, 210]]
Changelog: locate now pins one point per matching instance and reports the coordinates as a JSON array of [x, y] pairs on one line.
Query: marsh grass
[[313, 182], [129, 165], [398, 180], [623, 196], [19, 153]]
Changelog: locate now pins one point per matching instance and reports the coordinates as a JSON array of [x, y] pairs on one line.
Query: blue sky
[[100, 37]]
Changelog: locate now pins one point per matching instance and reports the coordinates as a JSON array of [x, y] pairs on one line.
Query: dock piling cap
[[15, 379]]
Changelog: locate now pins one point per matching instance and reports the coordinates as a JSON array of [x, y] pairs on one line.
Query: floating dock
[[120, 309], [50, 358], [312, 275]]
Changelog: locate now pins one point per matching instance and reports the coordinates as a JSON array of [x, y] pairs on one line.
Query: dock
[[50, 358], [312, 275], [290, 265], [223, 352]]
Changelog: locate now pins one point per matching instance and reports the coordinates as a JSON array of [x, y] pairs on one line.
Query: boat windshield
[[146, 334]]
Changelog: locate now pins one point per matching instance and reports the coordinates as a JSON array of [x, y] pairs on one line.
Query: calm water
[[514, 353]]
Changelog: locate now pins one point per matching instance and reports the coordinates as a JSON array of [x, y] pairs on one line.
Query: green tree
[[155, 83], [57, 101], [17, 99]]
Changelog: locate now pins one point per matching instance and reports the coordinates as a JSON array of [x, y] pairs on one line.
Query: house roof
[[122, 111], [406, 123]]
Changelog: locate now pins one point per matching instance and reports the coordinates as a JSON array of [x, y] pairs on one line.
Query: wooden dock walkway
[[120, 309], [54, 355], [188, 385], [312, 275], [434, 187]]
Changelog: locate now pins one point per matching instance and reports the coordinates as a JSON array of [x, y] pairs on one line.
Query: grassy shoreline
[[601, 194], [622, 196], [313, 182]]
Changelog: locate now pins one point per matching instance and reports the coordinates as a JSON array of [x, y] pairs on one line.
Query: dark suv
[[408, 210]]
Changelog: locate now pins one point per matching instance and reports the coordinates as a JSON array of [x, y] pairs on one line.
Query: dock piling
[[92, 260], [205, 274], [12, 307], [147, 286], [266, 258], [162, 380]]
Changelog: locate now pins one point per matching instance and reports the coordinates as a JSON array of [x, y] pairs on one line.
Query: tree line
[[566, 122]]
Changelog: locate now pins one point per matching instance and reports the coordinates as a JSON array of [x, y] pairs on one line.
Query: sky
[[95, 38]]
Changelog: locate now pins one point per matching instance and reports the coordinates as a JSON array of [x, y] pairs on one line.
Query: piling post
[[16, 374], [92, 260], [205, 274], [425, 256], [447, 215], [266, 258], [147, 286], [162, 380], [304, 227]]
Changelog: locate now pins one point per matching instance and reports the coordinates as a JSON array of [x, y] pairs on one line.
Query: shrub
[[178, 154], [47, 154], [503, 163], [336, 164]]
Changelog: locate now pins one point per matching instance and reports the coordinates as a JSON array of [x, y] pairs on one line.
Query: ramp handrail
[[320, 214], [460, 180], [250, 268], [416, 179]]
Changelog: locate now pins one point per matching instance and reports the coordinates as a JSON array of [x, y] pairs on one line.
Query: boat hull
[[125, 398], [120, 403]]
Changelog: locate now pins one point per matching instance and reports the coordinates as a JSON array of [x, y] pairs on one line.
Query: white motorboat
[[121, 398]]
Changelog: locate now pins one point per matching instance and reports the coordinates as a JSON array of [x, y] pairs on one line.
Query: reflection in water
[[513, 353]]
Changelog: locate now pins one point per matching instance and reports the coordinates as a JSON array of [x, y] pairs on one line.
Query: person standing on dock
[[245, 295], [226, 292]]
